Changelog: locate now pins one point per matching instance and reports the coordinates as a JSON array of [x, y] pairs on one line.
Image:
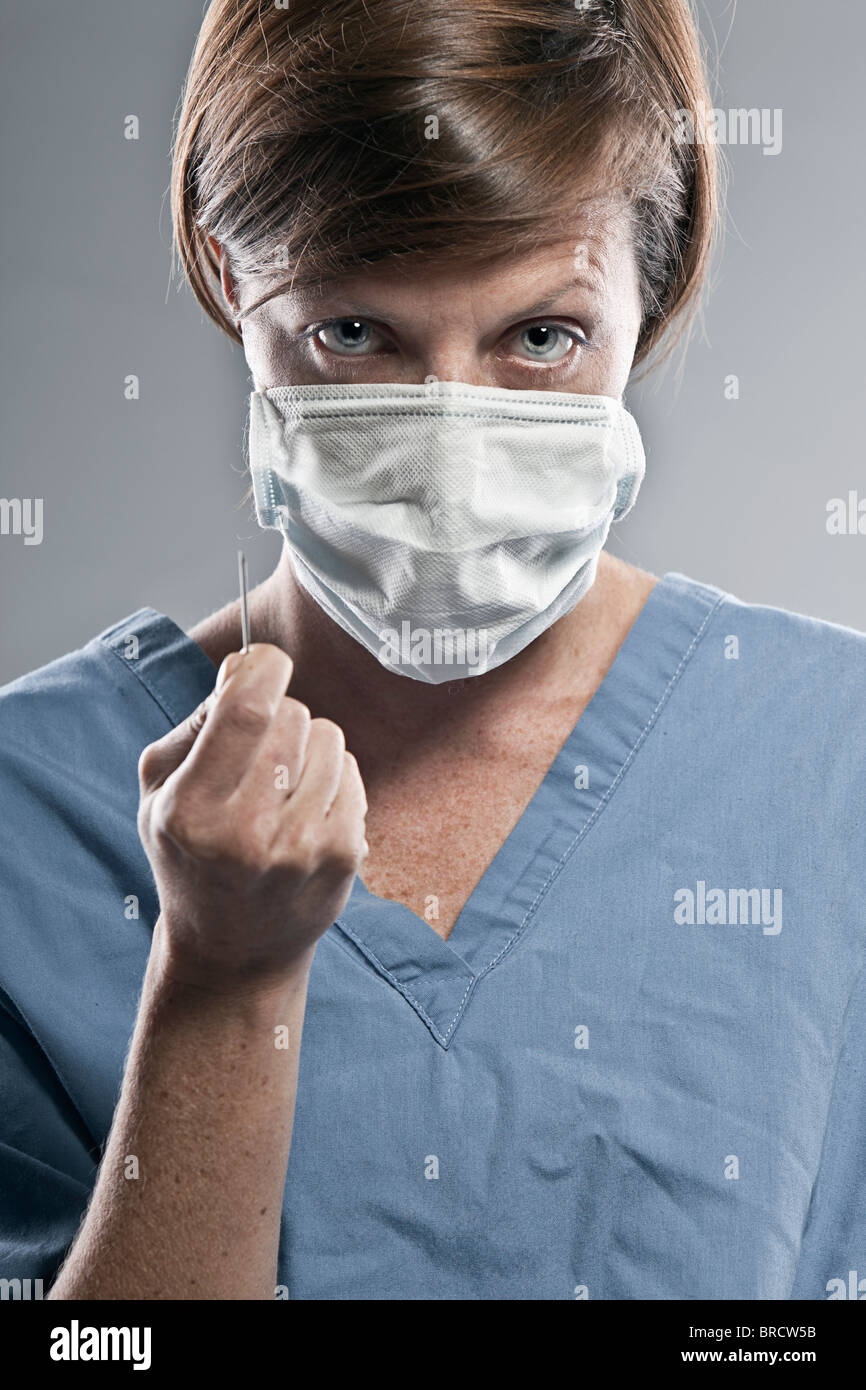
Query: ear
[[227, 280]]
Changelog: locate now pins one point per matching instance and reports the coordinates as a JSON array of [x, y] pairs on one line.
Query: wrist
[[172, 974]]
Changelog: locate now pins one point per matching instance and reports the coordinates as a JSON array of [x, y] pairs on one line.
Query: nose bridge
[[455, 361], [447, 345]]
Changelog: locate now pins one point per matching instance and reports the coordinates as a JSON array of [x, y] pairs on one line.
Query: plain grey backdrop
[[143, 499]]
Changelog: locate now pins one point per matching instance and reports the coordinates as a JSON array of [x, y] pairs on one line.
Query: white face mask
[[444, 526]]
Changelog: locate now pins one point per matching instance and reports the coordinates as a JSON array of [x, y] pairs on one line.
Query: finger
[[162, 757], [275, 770], [345, 829], [321, 774], [237, 722], [351, 793], [339, 839]]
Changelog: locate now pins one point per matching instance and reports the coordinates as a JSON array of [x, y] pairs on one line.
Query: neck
[[338, 679]]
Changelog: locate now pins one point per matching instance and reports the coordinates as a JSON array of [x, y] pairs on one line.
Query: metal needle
[[245, 609]]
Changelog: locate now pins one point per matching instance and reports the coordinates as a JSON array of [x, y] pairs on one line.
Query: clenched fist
[[252, 816]]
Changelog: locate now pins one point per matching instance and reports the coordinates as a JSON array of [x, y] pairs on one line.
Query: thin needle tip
[[245, 610]]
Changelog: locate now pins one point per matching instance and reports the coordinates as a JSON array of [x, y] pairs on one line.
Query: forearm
[[189, 1193]]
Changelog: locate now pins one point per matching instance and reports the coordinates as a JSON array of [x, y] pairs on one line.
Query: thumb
[[161, 758]]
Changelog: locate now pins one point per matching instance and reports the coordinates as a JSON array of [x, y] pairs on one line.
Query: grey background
[[143, 500]]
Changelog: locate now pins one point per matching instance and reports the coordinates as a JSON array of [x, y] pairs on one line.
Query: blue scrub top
[[636, 1069]]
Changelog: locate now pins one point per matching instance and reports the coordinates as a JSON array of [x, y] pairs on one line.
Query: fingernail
[[229, 666], [199, 715]]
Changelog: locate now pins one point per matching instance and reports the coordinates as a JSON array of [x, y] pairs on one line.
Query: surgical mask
[[443, 526]]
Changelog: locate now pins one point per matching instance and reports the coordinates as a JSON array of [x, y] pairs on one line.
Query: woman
[[550, 859]]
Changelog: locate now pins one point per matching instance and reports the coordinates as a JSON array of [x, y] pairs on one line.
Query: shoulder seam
[[172, 719]]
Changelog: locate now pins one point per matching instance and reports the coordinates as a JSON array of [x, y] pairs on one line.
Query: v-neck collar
[[437, 977]]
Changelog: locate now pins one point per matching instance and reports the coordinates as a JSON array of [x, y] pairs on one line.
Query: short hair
[[331, 136]]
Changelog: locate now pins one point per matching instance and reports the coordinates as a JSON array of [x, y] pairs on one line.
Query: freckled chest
[[435, 823]]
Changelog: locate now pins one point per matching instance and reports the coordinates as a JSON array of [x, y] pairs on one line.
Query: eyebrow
[[580, 282], [576, 282], [330, 289]]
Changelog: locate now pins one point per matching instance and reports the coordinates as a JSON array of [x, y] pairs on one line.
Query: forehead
[[592, 254]]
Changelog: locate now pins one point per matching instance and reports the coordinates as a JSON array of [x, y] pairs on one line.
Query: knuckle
[[176, 818], [248, 716], [269, 651], [148, 764], [266, 656], [341, 860], [342, 851], [353, 768], [297, 712], [251, 850], [293, 721], [195, 721], [301, 851], [353, 771], [328, 732], [168, 808]]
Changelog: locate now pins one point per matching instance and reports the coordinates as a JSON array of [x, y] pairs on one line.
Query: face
[[564, 318]]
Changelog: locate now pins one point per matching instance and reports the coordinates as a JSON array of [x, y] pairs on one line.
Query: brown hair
[[303, 140]]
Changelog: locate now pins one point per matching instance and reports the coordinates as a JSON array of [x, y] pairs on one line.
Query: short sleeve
[[76, 913], [47, 1160], [833, 1252]]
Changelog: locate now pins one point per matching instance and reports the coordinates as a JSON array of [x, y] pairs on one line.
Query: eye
[[545, 342], [350, 337]]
